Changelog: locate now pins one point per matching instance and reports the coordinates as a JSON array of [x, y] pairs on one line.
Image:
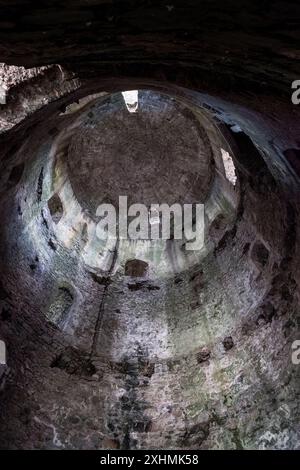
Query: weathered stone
[[141, 357], [203, 355], [228, 343], [74, 363]]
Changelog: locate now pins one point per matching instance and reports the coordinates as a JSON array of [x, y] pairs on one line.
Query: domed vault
[[140, 344]]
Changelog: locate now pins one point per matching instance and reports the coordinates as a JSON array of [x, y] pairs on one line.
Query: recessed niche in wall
[[60, 306], [136, 268], [16, 175], [259, 254], [55, 208]]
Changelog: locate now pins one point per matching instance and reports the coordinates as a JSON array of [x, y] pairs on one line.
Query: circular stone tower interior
[[121, 343]]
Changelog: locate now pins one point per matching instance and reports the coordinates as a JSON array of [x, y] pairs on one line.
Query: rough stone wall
[[233, 47], [195, 353], [199, 358], [215, 376]]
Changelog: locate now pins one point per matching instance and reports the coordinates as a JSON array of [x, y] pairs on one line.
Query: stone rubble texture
[[140, 344]]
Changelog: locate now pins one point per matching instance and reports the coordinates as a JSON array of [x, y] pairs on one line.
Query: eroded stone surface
[[196, 353]]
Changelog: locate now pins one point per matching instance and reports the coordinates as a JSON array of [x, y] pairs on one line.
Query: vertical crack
[[100, 316]]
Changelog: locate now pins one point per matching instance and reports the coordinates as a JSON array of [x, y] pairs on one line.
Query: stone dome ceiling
[[142, 344], [157, 155], [168, 152]]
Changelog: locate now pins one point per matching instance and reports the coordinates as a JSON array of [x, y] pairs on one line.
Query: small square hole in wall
[[136, 268]]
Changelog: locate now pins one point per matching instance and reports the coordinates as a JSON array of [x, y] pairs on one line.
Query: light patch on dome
[[131, 99], [229, 167], [2, 353]]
